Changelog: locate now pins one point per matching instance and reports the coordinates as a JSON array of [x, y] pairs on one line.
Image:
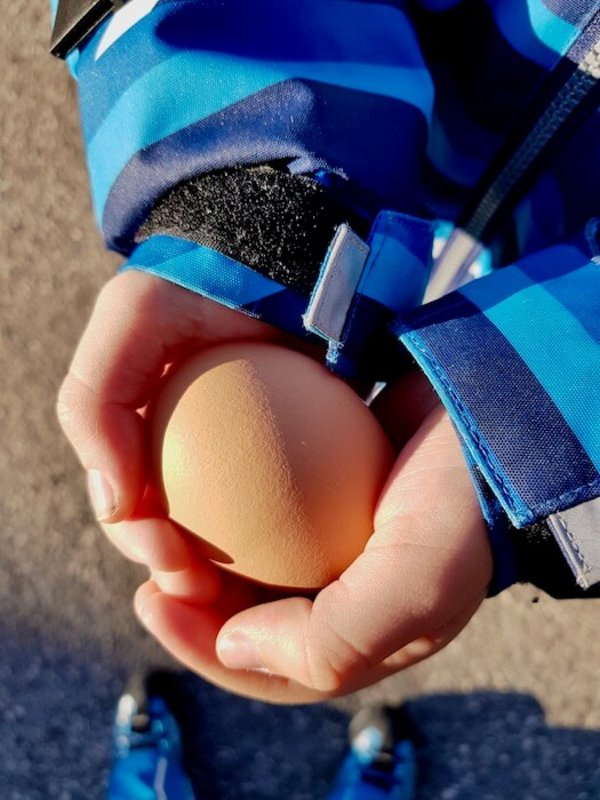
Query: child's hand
[[139, 325], [421, 578]]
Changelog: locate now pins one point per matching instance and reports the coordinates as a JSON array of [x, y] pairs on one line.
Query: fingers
[[172, 560], [189, 632], [110, 377], [355, 623], [138, 325], [426, 563]]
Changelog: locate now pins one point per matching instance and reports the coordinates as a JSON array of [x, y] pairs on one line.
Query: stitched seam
[[465, 417], [461, 408], [573, 494], [584, 563]]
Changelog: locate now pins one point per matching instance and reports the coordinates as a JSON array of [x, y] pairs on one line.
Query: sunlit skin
[[422, 576]]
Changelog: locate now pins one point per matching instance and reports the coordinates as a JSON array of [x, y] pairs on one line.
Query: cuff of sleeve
[[359, 288], [514, 356]]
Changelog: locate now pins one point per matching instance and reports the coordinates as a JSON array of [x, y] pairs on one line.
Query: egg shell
[[272, 460]]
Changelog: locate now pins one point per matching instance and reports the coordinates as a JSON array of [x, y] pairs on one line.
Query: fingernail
[[237, 651], [101, 494]]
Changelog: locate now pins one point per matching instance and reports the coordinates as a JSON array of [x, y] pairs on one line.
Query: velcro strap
[[360, 288]]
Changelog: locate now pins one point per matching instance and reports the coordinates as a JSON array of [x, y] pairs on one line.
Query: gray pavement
[[510, 709]]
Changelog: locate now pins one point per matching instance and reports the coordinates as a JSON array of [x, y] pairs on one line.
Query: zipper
[[577, 87], [514, 175]]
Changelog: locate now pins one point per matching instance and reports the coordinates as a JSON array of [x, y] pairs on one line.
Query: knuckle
[[115, 285], [126, 294], [73, 405], [67, 402], [336, 663], [107, 294], [332, 657]]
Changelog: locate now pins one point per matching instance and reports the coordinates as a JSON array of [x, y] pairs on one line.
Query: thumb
[[423, 568], [371, 612]]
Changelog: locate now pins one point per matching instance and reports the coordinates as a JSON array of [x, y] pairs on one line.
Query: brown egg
[[272, 460]]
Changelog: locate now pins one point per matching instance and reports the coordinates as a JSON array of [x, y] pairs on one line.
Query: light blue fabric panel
[[397, 269], [573, 292], [266, 31], [561, 353], [533, 30], [160, 103], [202, 270]]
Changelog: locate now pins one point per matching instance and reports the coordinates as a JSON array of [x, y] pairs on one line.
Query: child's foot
[[147, 756], [381, 762]]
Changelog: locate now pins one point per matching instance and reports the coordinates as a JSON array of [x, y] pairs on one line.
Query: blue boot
[[381, 763], [147, 757]]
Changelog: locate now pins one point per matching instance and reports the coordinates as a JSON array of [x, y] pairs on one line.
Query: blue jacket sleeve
[[339, 92], [515, 357], [169, 90], [334, 92]]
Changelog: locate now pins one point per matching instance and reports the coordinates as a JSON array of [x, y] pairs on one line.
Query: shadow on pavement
[[481, 746], [56, 710], [496, 746]]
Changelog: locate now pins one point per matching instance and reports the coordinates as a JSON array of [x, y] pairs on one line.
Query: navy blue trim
[[308, 132], [545, 460]]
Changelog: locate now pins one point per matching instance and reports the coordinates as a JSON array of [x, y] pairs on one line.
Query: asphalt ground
[[510, 709]]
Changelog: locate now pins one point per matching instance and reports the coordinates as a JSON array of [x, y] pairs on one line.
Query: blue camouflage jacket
[[461, 139]]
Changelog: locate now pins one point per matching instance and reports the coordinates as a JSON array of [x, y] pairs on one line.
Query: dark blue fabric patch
[[577, 169], [369, 351], [458, 57], [297, 121], [532, 441], [271, 31]]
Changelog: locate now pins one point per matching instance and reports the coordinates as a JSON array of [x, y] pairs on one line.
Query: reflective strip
[[159, 778], [577, 531], [451, 267], [336, 287]]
